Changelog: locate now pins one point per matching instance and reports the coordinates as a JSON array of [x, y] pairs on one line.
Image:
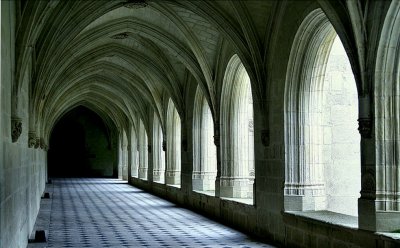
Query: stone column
[[217, 143], [158, 153], [379, 204], [173, 171], [143, 153], [120, 158]]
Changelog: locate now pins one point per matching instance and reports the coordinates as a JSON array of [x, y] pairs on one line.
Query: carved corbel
[[368, 185], [31, 139], [37, 143], [16, 128], [42, 144]]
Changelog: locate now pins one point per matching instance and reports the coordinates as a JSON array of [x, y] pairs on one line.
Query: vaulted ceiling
[[125, 59], [121, 57]]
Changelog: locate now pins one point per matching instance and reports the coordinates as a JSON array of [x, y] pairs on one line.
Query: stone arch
[[311, 178], [82, 139], [237, 134], [173, 170], [204, 150], [387, 116]]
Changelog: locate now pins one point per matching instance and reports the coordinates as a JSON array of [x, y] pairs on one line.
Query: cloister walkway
[[111, 213]]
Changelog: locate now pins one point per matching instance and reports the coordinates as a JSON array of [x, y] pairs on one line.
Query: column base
[[159, 176], [375, 220], [204, 181], [304, 203], [236, 187], [143, 173], [125, 173], [173, 177]]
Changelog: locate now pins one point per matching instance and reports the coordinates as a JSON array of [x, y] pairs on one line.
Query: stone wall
[[22, 169]]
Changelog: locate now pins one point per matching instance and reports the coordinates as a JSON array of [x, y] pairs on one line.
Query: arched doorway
[[82, 146]]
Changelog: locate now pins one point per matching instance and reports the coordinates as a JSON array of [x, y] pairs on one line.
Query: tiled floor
[[111, 213]]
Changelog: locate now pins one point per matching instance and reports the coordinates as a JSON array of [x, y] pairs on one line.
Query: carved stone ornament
[[149, 148], [368, 186], [42, 144], [164, 145], [365, 127], [184, 145], [37, 144], [135, 4], [31, 139], [16, 129], [265, 137], [120, 36]]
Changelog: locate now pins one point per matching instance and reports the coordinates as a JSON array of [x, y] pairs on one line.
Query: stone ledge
[[249, 202], [176, 186], [391, 236], [327, 217], [209, 193]]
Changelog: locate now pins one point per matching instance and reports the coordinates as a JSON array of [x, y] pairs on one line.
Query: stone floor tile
[[111, 213]]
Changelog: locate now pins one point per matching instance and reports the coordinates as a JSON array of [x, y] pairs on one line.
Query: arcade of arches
[[279, 118]]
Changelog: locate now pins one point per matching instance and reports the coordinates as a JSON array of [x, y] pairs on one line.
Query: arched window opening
[[173, 171], [158, 153], [321, 110], [237, 151], [134, 153], [341, 140], [204, 150], [143, 155]]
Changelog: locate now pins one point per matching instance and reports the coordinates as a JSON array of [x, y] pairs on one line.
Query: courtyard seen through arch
[[341, 140]]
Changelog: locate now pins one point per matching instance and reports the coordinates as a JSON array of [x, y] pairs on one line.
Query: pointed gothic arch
[[204, 150], [237, 134], [322, 144]]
